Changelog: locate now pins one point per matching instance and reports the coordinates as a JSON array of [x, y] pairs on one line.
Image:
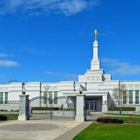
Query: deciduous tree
[[118, 94]]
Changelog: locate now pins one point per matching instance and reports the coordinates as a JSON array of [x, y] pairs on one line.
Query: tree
[[46, 88], [118, 94]]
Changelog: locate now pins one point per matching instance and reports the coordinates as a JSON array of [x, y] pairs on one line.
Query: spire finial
[[95, 33]]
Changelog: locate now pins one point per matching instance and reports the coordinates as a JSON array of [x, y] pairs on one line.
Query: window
[[50, 97], [124, 97], [6, 97], [1, 97], [136, 97], [130, 97], [55, 97]]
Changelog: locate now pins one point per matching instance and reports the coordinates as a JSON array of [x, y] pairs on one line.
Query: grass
[[122, 114], [11, 116], [110, 132], [126, 119]]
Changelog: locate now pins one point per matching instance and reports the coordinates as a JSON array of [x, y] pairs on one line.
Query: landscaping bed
[[3, 118], [126, 119], [122, 108], [109, 120]]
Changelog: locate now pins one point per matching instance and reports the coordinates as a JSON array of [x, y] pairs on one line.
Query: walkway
[[73, 132], [40, 130]]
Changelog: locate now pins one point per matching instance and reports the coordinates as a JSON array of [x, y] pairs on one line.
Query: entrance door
[[91, 105]]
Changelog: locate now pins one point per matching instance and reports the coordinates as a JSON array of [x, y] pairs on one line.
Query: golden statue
[[95, 33]]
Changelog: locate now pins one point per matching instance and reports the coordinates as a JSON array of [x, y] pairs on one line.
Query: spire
[[95, 63]]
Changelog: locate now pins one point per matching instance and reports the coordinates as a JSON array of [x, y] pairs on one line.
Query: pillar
[[23, 107], [80, 108], [134, 100], [104, 103]]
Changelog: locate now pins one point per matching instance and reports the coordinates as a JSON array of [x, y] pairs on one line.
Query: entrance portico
[[94, 101], [93, 104]]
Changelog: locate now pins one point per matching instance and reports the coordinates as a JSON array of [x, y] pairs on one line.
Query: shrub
[[123, 109], [2, 110], [12, 110], [61, 107], [109, 120], [3, 118], [45, 108], [68, 109]]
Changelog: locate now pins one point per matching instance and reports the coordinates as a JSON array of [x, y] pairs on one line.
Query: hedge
[[3, 118], [45, 108], [123, 109], [109, 120]]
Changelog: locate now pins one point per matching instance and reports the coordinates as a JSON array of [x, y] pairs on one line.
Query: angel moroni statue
[[95, 33]]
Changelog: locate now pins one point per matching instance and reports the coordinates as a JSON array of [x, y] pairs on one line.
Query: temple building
[[94, 83]]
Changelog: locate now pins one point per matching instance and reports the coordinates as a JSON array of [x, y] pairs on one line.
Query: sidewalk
[[73, 132], [35, 129]]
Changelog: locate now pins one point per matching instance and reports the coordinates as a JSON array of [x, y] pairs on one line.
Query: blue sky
[[51, 40]]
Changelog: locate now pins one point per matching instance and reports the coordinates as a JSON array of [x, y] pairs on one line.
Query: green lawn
[[11, 116], [110, 132], [122, 114]]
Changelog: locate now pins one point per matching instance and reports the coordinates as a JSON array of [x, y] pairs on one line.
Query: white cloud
[[32, 7], [3, 55], [121, 68], [34, 50], [8, 63], [66, 75], [2, 75], [106, 33], [29, 50]]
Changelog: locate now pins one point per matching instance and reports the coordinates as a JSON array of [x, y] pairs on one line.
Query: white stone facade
[[96, 86]]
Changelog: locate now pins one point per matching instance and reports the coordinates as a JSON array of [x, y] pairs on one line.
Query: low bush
[[45, 108], [68, 109], [61, 107], [3, 118], [109, 120], [123, 109], [2, 110]]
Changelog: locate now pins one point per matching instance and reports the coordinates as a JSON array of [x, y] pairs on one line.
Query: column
[[4, 97], [104, 103], [23, 108], [139, 102], [127, 97], [134, 100], [139, 97], [80, 108]]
